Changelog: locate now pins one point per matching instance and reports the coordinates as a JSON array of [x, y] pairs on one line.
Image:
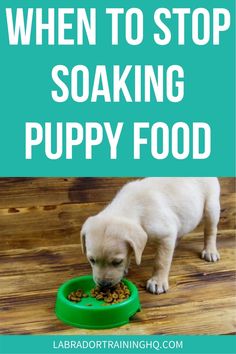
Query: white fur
[[155, 209]]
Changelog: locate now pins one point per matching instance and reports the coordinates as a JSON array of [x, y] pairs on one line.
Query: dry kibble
[[76, 296], [92, 293], [110, 296], [113, 295], [78, 293]]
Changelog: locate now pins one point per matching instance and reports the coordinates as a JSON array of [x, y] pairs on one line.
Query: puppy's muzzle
[[105, 283]]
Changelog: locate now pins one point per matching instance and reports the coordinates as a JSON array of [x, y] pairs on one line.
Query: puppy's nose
[[105, 283]]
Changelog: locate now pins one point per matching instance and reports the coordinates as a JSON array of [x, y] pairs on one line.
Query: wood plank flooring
[[40, 220]]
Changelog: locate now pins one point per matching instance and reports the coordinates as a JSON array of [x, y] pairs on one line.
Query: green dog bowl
[[90, 312]]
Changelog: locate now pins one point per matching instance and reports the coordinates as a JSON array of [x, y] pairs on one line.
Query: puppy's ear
[[137, 239], [83, 235], [83, 241]]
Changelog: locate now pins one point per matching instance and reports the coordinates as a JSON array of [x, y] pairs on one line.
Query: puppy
[[160, 210]]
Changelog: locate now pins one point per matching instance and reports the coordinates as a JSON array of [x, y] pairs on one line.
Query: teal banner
[[117, 344], [138, 88]]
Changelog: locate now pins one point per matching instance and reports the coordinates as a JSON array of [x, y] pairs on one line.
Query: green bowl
[[96, 315]]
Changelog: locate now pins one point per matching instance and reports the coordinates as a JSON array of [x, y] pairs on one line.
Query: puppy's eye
[[117, 262], [92, 260]]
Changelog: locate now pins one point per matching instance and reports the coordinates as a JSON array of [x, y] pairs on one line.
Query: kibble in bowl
[[76, 295], [114, 295]]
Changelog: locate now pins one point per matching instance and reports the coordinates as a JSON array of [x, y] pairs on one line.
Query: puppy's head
[[108, 242]]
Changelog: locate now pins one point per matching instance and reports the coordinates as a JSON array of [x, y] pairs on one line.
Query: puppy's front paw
[[210, 255], [156, 286]]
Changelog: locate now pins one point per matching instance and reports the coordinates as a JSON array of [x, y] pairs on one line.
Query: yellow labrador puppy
[[160, 210]]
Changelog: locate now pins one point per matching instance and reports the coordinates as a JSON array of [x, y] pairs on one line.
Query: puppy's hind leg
[[158, 283], [212, 215]]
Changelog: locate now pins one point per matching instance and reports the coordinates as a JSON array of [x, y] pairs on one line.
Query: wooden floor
[[40, 220]]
